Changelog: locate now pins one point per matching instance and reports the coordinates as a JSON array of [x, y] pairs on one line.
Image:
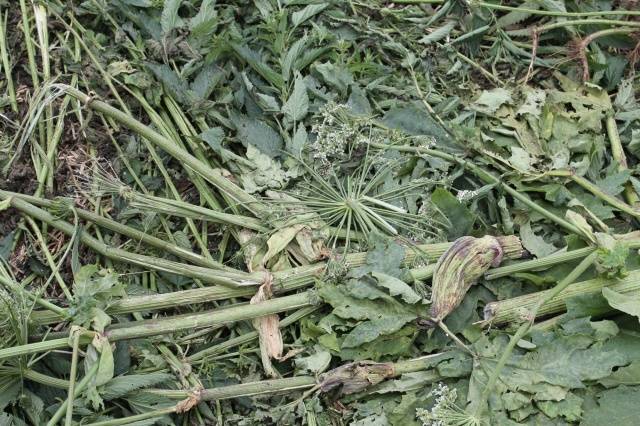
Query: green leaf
[[628, 375], [257, 133], [255, 62], [368, 331], [294, 52], [535, 244], [122, 385], [205, 21], [213, 137], [458, 214], [397, 287], [627, 303], [297, 106], [315, 363], [170, 19], [417, 122], [490, 100], [438, 34], [614, 183], [617, 407], [297, 18]]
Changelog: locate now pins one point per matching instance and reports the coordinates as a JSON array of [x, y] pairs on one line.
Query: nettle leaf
[[490, 100], [297, 106], [289, 59], [438, 34], [256, 132], [370, 330], [298, 18], [205, 21], [173, 84], [94, 290], [535, 244], [122, 385], [397, 287], [170, 19], [627, 303], [255, 61]]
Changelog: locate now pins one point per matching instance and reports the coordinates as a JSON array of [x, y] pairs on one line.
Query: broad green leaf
[[628, 375], [315, 363], [294, 52], [259, 134], [205, 21], [459, 216], [255, 61], [618, 406], [297, 106], [170, 18], [627, 303], [213, 137], [297, 18], [417, 122], [535, 244]]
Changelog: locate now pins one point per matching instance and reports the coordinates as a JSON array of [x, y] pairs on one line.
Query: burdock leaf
[[627, 303], [617, 406], [297, 106]]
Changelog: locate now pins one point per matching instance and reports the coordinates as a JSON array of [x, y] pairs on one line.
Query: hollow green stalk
[[213, 276], [166, 325], [72, 378], [617, 152], [134, 234], [478, 408], [6, 62], [208, 173], [62, 409], [509, 310]]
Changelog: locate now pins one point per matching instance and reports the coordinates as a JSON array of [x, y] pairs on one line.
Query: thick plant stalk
[[213, 276], [284, 281], [62, 409], [128, 231], [510, 310], [166, 325], [268, 387], [617, 152], [478, 407], [204, 170]]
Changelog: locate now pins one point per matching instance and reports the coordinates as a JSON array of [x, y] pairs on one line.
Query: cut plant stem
[[284, 281], [595, 190], [479, 406], [510, 310], [57, 416], [213, 276], [128, 231], [206, 171], [617, 152], [486, 177], [247, 337], [155, 327]]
